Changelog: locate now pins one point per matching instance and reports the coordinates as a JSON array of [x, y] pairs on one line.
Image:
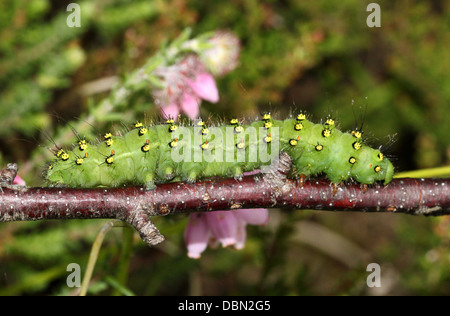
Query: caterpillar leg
[[150, 185], [238, 173], [192, 177], [149, 181], [169, 173], [60, 185]]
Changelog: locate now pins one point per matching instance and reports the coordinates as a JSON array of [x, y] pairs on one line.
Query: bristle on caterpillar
[[165, 152]]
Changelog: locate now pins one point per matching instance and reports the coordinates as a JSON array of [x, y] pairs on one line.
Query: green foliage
[[318, 56]]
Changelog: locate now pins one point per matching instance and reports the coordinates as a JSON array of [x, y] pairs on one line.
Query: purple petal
[[252, 173], [223, 226], [241, 235], [257, 216], [190, 105], [196, 235], [19, 181], [205, 87], [170, 111]]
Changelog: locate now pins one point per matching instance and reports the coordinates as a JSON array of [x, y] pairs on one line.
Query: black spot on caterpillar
[[166, 152]]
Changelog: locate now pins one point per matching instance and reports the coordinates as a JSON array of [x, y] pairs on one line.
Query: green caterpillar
[[168, 152]]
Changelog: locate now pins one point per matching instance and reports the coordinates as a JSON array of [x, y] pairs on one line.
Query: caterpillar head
[[371, 166], [387, 172]]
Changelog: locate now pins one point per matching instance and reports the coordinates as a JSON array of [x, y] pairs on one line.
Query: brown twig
[[8, 174], [136, 205]]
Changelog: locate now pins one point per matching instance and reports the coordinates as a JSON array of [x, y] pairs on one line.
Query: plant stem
[[94, 255], [425, 173], [125, 257]]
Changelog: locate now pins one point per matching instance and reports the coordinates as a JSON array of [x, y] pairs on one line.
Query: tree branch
[[271, 189]]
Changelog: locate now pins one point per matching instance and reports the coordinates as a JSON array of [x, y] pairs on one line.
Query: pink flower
[[190, 105], [225, 227], [19, 181], [185, 84], [205, 87], [171, 110], [223, 56]]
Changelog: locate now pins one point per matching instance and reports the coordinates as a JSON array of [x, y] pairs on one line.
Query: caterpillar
[[146, 155]]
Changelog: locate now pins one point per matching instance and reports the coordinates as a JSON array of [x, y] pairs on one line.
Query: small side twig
[[8, 174]]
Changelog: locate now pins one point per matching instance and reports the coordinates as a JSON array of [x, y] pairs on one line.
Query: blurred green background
[[319, 56]]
